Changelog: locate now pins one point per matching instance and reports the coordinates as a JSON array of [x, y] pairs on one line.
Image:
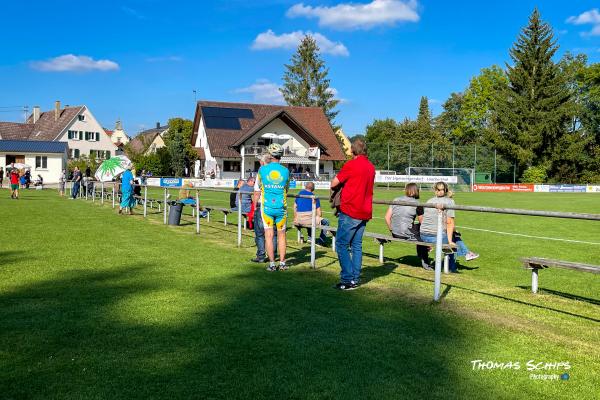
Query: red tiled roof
[[46, 128], [15, 131], [108, 132], [201, 155], [222, 142]]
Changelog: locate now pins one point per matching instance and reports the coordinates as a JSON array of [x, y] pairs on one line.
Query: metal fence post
[[239, 233], [495, 170], [102, 192], [409, 157], [197, 212], [438, 257], [93, 193], [145, 200], [453, 157], [313, 233], [86, 190], [113, 195], [165, 208]]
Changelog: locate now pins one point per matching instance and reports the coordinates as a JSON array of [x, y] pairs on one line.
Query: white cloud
[[270, 40], [359, 15], [71, 62], [336, 96], [263, 91], [591, 17]]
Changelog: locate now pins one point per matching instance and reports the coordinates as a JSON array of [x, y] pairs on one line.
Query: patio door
[[12, 158]]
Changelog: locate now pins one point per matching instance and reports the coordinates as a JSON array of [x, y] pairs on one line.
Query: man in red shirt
[[14, 183], [356, 179]]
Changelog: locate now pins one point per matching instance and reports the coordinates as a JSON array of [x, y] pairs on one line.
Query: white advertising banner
[[414, 178], [541, 188], [153, 181], [593, 189]]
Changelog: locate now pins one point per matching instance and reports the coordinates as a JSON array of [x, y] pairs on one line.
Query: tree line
[[542, 115]]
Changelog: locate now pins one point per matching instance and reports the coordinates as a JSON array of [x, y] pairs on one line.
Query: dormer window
[[81, 117]]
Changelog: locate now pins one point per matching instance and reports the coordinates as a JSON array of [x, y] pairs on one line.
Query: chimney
[[36, 114], [56, 110], [157, 125]]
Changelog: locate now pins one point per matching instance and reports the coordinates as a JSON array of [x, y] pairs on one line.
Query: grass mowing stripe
[[528, 236]]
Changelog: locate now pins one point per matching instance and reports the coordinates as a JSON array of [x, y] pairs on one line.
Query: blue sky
[[141, 60]]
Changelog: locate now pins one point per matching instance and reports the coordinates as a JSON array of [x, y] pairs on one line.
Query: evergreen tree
[[178, 141], [532, 111], [306, 83], [424, 126]]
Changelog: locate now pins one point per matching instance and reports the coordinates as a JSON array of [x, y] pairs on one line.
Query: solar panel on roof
[[226, 112], [222, 123]]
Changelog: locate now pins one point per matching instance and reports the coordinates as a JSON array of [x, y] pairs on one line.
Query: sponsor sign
[[567, 188], [499, 187], [593, 189], [541, 188], [170, 182], [153, 181], [414, 178], [319, 185]]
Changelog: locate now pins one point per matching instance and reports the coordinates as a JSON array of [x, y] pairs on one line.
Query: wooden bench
[[536, 263], [384, 239]]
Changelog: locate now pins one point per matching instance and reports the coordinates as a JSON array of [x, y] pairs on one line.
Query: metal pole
[[453, 151], [534, 280], [475, 159], [432, 156], [102, 192], [165, 208], [495, 170], [514, 172], [388, 161], [145, 200], [438, 258], [86, 190], [197, 212], [239, 233], [93, 193], [409, 157], [313, 233], [113, 195]]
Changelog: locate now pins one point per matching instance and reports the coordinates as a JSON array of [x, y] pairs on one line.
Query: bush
[[535, 174]]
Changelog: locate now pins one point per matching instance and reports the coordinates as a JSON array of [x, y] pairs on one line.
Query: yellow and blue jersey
[[273, 181]]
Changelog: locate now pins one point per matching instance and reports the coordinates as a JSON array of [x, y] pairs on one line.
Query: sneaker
[[282, 266], [258, 260], [471, 256], [427, 267], [346, 286], [320, 242], [272, 267]]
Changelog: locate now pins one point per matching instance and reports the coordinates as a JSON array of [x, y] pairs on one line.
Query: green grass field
[[94, 305]]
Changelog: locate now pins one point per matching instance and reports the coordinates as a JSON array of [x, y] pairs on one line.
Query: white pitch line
[[528, 236]]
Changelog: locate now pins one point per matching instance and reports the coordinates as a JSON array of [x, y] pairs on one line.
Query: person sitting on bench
[[303, 213], [401, 221]]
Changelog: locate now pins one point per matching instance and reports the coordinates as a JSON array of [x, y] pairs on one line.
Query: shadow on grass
[[126, 333], [563, 294], [7, 257]]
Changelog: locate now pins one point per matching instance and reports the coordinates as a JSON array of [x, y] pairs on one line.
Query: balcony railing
[[287, 151]]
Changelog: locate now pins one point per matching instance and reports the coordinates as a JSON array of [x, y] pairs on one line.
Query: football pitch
[[97, 305]]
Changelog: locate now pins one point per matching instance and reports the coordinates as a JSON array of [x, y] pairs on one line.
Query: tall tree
[[424, 126], [178, 141], [306, 82], [532, 110]]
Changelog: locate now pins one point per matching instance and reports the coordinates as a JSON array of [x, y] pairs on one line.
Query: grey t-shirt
[[429, 225], [404, 216]]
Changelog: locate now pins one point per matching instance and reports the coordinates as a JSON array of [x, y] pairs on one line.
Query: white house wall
[[91, 125], [51, 174], [279, 127]]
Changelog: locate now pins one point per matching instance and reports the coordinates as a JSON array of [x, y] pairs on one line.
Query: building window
[[97, 136], [81, 117], [74, 153], [80, 135], [231, 166], [41, 162]]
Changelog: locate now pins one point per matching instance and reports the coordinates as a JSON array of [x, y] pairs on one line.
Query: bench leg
[[381, 253], [193, 212], [298, 235], [446, 264], [158, 207], [225, 220], [333, 243], [208, 216], [534, 280]]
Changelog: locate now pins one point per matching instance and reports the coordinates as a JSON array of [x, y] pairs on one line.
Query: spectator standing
[[27, 177], [259, 229], [303, 212], [233, 195], [247, 190], [61, 183], [14, 183], [1, 176], [76, 183], [272, 183], [127, 200], [429, 226], [400, 221], [356, 208]]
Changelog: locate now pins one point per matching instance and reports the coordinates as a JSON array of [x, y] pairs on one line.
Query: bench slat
[[541, 263]]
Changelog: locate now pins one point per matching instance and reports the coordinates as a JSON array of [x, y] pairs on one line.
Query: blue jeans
[[75, 190], [259, 235], [349, 247], [432, 239]]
